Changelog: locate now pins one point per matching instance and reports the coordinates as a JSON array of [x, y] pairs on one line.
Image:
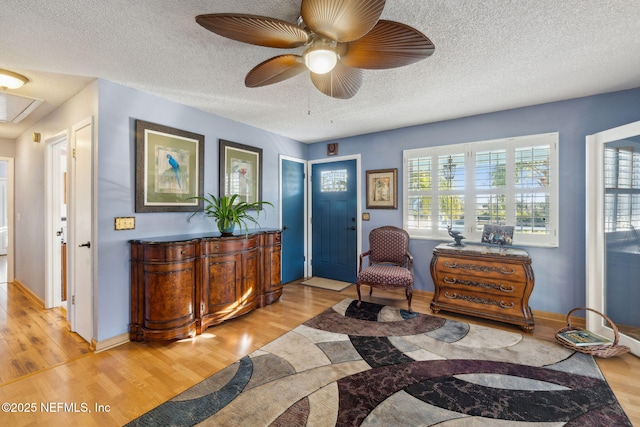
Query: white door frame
[[53, 196], [10, 216], [4, 241], [355, 157]]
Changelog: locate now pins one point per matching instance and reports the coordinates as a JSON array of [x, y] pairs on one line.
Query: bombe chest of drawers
[[489, 282]]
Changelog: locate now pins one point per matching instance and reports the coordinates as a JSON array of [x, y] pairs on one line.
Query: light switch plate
[[125, 223]]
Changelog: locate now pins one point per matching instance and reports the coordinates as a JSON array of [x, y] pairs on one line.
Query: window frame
[[615, 191], [470, 191]]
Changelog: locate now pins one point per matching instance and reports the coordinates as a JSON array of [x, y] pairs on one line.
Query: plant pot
[[227, 232]]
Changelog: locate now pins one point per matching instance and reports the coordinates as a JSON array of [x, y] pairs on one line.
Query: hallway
[[32, 338]]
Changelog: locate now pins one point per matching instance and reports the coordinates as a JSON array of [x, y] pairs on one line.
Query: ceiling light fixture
[[341, 38], [11, 80], [321, 57]]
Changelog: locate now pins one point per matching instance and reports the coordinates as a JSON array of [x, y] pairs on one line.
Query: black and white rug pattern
[[381, 366]]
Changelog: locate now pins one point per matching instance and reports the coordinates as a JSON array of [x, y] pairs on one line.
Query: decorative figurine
[[456, 236]]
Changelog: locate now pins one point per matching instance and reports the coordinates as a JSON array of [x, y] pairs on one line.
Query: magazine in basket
[[583, 338]]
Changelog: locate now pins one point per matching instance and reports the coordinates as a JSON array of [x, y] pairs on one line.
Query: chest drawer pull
[[479, 300], [499, 287], [481, 268]]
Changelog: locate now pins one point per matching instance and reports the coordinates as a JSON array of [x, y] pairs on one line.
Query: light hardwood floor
[[117, 385], [32, 338]]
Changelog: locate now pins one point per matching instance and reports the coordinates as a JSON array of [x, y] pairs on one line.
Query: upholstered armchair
[[390, 263]]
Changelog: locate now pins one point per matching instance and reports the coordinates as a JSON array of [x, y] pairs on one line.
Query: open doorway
[[69, 194], [4, 223], [56, 164]]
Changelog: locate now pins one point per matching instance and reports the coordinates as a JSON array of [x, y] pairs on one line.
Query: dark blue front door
[[292, 220], [333, 215]]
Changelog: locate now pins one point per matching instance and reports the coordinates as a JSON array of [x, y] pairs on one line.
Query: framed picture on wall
[[382, 189], [169, 169], [240, 171]]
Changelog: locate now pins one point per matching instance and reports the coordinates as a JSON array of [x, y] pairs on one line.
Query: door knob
[[351, 228], [284, 227], [85, 245]]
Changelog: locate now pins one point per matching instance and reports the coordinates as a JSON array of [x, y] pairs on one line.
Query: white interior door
[[80, 239], [612, 238]]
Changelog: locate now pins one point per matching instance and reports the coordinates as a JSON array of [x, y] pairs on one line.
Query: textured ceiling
[[490, 55]]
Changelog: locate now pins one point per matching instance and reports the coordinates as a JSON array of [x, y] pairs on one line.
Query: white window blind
[[622, 185], [510, 181]]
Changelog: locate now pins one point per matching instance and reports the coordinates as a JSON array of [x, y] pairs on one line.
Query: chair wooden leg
[[358, 291], [409, 293]]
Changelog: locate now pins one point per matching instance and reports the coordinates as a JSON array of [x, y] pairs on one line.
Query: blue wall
[[119, 107], [559, 272]]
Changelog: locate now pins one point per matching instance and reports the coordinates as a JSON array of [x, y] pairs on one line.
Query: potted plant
[[228, 212]]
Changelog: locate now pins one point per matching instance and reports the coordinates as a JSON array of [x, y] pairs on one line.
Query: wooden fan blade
[[252, 29], [275, 70], [342, 82], [340, 20], [388, 45]]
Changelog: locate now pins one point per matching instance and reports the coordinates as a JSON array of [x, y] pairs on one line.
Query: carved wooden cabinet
[[182, 285], [272, 271], [483, 281], [231, 267]]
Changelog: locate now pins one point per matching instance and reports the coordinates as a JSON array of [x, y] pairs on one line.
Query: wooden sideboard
[[489, 282], [182, 285]]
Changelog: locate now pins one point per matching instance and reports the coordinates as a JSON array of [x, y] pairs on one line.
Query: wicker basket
[[608, 350]]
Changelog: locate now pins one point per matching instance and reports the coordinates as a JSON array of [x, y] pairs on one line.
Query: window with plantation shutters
[[622, 189], [510, 181], [418, 185]]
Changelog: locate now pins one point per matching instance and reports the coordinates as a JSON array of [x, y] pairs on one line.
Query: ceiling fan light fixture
[[339, 39], [320, 59], [11, 80]]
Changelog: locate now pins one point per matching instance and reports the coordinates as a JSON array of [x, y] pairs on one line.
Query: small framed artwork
[[240, 171], [382, 189], [169, 169], [497, 235]]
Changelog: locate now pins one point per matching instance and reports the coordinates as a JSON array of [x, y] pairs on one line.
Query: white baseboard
[[29, 293], [112, 342]]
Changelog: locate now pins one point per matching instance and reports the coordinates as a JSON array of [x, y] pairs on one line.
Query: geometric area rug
[[383, 366]]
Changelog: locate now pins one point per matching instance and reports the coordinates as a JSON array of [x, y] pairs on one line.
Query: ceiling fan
[[341, 38]]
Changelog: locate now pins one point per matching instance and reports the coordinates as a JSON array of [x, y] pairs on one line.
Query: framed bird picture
[[169, 169]]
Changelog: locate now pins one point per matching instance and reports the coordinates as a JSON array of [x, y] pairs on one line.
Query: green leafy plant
[[229, 211]]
